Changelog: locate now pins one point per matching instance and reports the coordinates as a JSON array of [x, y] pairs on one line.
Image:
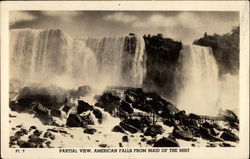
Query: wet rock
[[74, 121], [83, 91], [151, 142], [19, 134], [214, 132], [129, 128], [103, 145], [217, 126], [37, 132], [184, 135], [48, 144], [36, 139], [14, 138], [12, 116], [118, 128], [32, 127], [83, 107], [25, 131], [143, 139], [42, 113], [229, 136], [89, 131], [87, 120], [206, 134], [66, 108], [125, 139], [22, 143], [48, 96], [166, 142], [97, 113], [55, 113], [153, 130], [207, 125], [224, 144], [211, 145], [120, 144], [48, 134], [136, 123], [19, 126], [31, 144], [126, 107]]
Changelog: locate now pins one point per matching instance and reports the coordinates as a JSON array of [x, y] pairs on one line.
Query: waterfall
[[121, 58], [200, 81], [53, 56]]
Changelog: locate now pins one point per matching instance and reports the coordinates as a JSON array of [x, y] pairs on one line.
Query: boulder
[[37, 132], [206, 134], [103, 145], [135, 123], [166, 142], [32, 127], [36, 139], [83, 107], [229, 136], [83, 91], [22, 144], [129, 128], [74, 121], [125, 138], [89, 131], [87, 120], [207, 125], [55, 113], [184, 135], [153, 130], [49, 135], [118, 128], [49, 96], [66, 108], [126, 107], [98, 114]]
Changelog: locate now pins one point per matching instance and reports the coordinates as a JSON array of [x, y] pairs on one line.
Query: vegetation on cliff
[[162, 58], [225, 49]]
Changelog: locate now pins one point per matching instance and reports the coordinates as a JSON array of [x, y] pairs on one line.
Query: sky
[[185, 26]]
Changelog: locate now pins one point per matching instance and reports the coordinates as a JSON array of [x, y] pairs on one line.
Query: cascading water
[[52, 56], [122, 59], [202, 91]]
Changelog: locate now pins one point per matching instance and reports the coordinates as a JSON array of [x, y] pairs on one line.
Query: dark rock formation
[[98, 114], [89, 131], [37, 132], [48, 96], [166, 142], [118, 128], [180, 134], [74, 121], [125, 138], [225, 49], [55, 113], [126, 107], [229, 136], [153, 130], [83, 107], [162, 59], [129, 128]]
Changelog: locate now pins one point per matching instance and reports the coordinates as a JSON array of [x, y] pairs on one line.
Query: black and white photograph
[[108, 79]]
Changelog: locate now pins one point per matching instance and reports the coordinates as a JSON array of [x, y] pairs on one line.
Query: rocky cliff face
[[225, 48], [162, 56]]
